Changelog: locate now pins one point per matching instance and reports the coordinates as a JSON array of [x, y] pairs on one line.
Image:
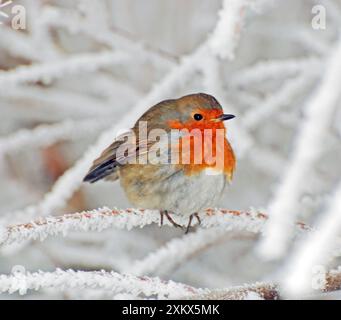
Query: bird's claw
[[190, 221], [169, 218]]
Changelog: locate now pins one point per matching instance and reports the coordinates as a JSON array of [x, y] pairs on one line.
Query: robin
[[183, 186]]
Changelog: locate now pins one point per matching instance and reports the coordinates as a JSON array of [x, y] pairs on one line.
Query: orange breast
[[205, 147]]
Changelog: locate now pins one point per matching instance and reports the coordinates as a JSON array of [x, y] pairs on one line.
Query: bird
[[178, 187]]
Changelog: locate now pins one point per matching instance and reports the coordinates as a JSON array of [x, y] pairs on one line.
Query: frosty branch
[[309, 147], [100, 219], [143, 286], [46, 72], [269, 291], [112, 281]]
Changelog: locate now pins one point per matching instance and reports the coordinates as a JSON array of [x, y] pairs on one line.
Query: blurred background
[[78, 67]]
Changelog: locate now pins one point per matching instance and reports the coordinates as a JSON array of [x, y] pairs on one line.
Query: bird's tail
[[101, 171]]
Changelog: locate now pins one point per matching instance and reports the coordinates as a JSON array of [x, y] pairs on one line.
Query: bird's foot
[[169, 218], [190, 221]]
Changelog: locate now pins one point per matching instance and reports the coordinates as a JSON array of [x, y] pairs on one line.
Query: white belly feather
[[186, 195]]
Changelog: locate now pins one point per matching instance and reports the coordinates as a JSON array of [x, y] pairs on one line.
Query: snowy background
[[82, 71]]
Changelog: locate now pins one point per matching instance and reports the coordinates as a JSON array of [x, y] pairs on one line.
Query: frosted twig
[[176, 251], [60, 103], [267, 160], [74, 23], [18, 44], [315, 250], [268, 291], [100, 219], [297, 34], [141, 286], [265, 291], [283, 97], [274, 70], [309, 146], [115, 282], [45, 135], [69, 253], [225, 36], [48, 71], [307, 38]]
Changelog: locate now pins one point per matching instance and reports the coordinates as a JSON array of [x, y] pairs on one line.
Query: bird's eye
[[198, 117]]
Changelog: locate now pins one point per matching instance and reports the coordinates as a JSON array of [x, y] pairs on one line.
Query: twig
[[267, 291], [46, 135], [315, 250], [225, 36], [263, 291], [100, 219], [290, 89], [47, 71], [176, 251], [112, 37], [112, 281], [273, 69], [145, 286], [309, 146]]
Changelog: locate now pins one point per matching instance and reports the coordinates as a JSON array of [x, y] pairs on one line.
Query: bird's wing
[[106, 165], [126, 149]]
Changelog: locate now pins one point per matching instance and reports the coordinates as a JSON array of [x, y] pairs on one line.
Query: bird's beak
[[224, 117]]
